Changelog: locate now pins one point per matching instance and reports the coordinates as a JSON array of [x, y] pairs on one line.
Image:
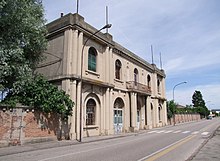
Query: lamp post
[[174, 100], [81, 111]]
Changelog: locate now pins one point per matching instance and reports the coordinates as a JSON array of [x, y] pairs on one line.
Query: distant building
[[180, 106], [120, 91]]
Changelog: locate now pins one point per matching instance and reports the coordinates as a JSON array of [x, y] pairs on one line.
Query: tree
[[199, 104], [22, 39], [197, 99], [22, 42], [39, 93], [171, 109]]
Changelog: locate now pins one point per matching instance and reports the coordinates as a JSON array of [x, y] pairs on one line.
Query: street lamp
[[174, 100], [81, 112], [176, 86]]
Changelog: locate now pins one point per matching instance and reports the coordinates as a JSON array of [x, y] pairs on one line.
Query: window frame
[[92, 59], [90, 112], [118, 67]]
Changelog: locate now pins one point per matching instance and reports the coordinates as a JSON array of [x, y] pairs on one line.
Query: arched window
[[135, 76], [118, 103], [117, 69], [158, 86], [118, 112], [159, 112], [92, 59], [148, 81], [90, 112], [152, 112]]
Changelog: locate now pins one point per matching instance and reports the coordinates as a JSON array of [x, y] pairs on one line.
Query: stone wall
[[22, 125], [181, 118]]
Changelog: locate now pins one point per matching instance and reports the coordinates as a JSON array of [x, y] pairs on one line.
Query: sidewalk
[[210, 149]]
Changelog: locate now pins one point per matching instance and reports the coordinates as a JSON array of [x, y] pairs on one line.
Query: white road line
[[205, 133], [88, 150], [158, 132], [168, 131], [178, 131], [185, 132], [195, 132], [150, 132], [156, 152]]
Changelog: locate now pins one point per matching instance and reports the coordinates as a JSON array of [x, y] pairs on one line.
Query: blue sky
[[185, 32]]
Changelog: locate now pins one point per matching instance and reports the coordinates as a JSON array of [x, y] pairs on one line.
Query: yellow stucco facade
[[120, 92]]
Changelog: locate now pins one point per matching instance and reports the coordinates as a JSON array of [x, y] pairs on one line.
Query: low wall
[[22, 125], [181, 118]]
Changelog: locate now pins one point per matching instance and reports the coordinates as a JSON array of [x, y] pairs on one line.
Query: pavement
[[209, 150]]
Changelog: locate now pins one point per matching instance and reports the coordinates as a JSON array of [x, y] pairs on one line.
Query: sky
[[185, 32]]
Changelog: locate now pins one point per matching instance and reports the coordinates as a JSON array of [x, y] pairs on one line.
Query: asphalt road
[[176, 143]]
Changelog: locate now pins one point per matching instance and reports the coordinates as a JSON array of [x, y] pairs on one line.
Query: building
[[120, 91]]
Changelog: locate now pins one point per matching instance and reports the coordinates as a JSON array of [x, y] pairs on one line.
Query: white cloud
[[186, 32], [210, 94]]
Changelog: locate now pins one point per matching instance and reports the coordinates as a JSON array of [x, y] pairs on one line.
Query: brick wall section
[[181, 118], [17, 126], [5, 125], [38, 124]]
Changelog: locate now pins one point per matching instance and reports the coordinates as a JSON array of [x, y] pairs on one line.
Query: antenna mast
[[152, 54], [160, 61], [106, 17], [77, 6]]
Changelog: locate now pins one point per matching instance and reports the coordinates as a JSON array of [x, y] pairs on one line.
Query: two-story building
[[114, 90]]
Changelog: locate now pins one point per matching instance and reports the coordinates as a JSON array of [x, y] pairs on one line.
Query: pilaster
[[79, 60], [75, 54], [73, 117], [133, 112]]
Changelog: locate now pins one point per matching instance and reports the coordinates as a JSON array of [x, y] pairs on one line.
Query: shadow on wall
[[22, 125]]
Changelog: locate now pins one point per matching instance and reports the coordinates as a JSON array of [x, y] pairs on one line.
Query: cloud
[[210, 94], [186, 32]]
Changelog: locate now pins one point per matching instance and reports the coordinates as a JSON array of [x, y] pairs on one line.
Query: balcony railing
[[138, 87]]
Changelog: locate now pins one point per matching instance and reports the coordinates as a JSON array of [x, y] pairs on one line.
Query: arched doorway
[[159, 113], [138, 113], [118, 115]]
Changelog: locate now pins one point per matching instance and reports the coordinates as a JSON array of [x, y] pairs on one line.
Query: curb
[[203, 144]]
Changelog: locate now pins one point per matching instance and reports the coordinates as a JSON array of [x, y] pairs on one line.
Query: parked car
[[209, 117]]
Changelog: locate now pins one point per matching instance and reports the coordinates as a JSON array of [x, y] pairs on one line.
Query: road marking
[[178, 131], [185, 132], [166, 149], [195, 132], [88, 150], [151, 132], [205, 133], [158, 132], [168, 131]]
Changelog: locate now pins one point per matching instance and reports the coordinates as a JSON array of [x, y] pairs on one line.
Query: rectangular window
[[92, 62], [90, 116]]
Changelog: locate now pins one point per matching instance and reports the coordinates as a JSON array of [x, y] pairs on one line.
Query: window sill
[[93, 73], [91, 127], [118, 80]]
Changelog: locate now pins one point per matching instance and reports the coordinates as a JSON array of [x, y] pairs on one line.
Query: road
[[176, 143]]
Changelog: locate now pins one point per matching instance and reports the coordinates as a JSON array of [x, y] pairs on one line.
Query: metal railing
[[138, 87]]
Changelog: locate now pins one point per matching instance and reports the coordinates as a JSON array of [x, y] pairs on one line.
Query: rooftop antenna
[[160, 62], [152, 54], [77, 6], [106, 17]]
